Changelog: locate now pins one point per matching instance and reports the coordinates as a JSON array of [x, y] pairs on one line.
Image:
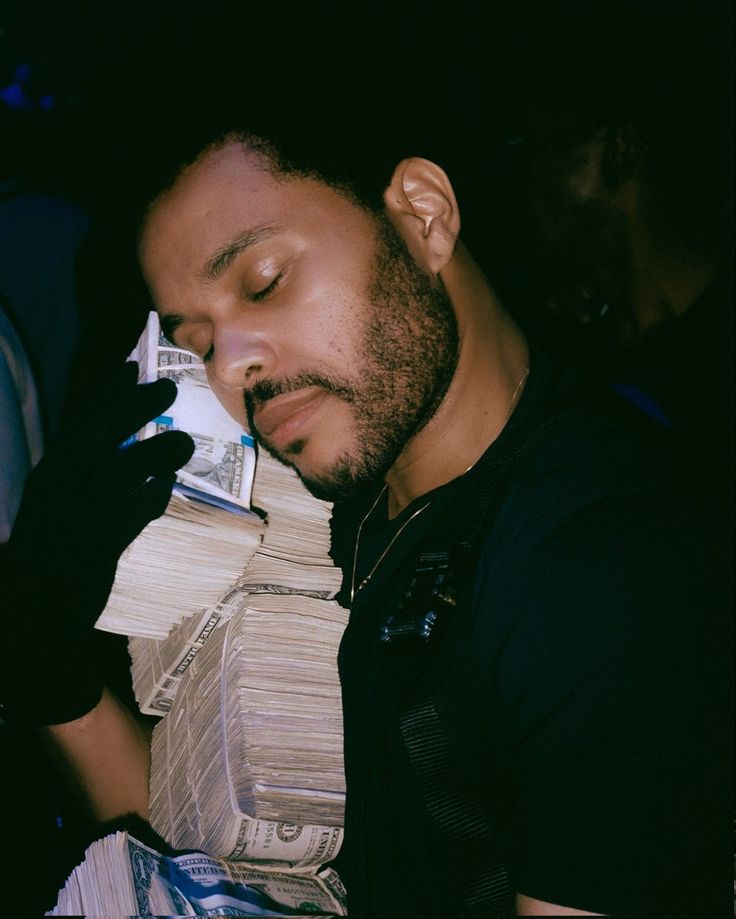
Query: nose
[[241, 354]]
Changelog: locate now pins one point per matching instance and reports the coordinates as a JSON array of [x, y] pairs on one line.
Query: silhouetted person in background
[[618, 214]]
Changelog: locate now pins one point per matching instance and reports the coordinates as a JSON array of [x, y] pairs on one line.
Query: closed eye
[[262, 294]]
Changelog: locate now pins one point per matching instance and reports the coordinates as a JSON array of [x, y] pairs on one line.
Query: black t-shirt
[[583, 687]]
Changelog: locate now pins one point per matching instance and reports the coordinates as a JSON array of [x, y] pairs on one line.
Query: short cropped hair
[[347, 139]]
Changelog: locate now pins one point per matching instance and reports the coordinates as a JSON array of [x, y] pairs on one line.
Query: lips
[[281, 417]]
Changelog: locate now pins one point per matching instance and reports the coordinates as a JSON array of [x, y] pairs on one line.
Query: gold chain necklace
[[353, 589]]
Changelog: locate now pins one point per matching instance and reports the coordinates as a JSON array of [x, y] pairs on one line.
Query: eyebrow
[[224, 256]]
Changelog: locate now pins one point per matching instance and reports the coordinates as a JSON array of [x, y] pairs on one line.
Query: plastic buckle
[[429, 596]]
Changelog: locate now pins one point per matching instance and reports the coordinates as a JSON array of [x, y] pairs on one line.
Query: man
[[578, 686]]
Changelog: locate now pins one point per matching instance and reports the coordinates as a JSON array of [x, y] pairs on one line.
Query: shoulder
[[597, 546], [595, 664], [581, 455]]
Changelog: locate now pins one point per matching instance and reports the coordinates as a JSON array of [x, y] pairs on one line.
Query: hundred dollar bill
[[221, 470]]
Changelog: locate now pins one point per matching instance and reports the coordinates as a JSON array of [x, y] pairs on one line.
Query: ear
[[622, 152], [421, 205]]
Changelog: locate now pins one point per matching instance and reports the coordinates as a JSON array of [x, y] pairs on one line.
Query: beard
[[408, 352]]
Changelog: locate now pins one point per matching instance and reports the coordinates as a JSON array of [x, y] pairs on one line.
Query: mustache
[[263, 390]]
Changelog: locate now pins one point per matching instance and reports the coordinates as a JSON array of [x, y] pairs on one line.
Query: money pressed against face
[[314, 323]]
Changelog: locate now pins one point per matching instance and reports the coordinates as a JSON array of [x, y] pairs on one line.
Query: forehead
[[231, 190]]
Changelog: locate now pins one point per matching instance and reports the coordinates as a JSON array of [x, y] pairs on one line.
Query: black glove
[[87, 499]]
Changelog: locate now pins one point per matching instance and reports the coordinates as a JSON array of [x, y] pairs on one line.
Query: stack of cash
[[281, 681], [158, 666], [208, 518], [122, 877], [156, 588], [291, 558], [247, 762], [298, 528], [253, 739]]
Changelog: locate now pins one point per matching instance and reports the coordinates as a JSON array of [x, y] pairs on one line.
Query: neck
[[664, 273], [493, 363], [668, 282]]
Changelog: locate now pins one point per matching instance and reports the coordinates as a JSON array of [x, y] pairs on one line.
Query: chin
[[319, 482], [337, 477], [342, 481], [330, 489]]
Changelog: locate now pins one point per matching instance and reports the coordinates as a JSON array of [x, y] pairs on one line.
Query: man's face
[[312, 319], [574, 229]]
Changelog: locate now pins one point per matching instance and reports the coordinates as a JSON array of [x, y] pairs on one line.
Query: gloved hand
[[87, 499]]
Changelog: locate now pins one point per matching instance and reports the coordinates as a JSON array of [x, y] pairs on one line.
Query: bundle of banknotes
[[291, 561], [253, 737], [209, 516], [253, 741], [122, 877]]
